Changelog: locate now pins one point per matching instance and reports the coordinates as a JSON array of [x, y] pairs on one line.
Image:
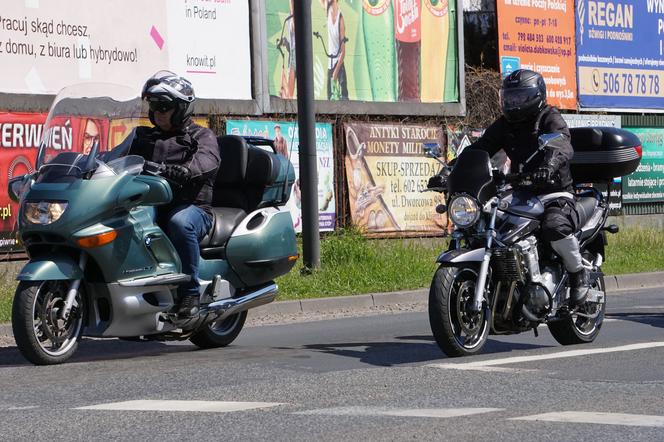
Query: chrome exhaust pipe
[[230, 306]]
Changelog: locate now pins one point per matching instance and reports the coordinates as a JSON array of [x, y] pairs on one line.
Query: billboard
[[619, 54], [286, 139], [539, 36], [382, 51], [646, 185], [52, 44], [387, 174]]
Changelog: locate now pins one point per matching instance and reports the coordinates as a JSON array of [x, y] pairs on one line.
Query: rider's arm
[[206, 159], [560, 150], [492, 140]]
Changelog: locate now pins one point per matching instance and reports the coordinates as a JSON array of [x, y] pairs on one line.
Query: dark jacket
[[194, 147], [519, 141]]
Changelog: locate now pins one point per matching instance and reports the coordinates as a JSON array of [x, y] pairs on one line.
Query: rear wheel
[[584, 326], [42, 336], [457, 332], [219, 333]]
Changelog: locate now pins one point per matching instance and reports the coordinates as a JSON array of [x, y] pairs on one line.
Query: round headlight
[[43, 212], [464, 211]]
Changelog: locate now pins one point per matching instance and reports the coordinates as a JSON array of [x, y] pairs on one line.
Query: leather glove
[[543, 175], [176, 172], [436, 181]]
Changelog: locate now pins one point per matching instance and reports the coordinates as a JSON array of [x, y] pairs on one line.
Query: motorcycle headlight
[[464, 211], [43, 212]]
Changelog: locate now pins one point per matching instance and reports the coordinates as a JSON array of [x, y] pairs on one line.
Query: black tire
[[448, 296], [35, 322], [577, 330], [219, 333]]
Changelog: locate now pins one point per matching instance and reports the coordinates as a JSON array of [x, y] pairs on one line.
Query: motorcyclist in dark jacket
[[190, 154], [525, 117]]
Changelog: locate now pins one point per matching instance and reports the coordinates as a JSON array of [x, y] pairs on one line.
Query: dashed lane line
[[483, 365], [398, 412], [174, 405], [588, 417]]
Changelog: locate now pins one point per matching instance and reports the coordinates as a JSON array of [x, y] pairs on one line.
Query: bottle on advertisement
[[407, 22], [378, 29], [435, 34], [452, 66]]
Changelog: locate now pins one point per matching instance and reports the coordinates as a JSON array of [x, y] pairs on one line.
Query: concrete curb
[[410, 297], [378, 301]]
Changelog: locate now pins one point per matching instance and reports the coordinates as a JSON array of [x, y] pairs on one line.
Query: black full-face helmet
[[166, 90], [522, 96]]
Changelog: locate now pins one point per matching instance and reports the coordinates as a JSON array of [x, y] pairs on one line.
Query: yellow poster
[[387, 174]]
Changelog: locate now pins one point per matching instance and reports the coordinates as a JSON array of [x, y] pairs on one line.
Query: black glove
[[436, 181], [175, 172], [543, 175]]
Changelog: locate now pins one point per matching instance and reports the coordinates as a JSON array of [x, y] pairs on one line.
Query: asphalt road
[[378, 377]]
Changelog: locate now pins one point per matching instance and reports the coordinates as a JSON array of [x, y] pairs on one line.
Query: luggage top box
[[603, 153]]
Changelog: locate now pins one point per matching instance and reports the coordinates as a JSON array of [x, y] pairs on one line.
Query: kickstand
[[536, 332]]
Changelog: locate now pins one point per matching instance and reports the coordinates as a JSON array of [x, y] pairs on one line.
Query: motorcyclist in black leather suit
[[190, 155], [525, 117]]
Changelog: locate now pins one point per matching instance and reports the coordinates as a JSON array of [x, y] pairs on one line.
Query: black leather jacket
[[193, 146], [519, 141]]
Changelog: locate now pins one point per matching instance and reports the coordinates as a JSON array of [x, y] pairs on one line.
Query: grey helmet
[[167, 90], [522, 96]]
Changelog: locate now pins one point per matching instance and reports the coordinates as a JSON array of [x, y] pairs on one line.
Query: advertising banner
[[646, 185], [370, 50], [387, 173], [52, 44], [286, 139], [539, 35], [619, 54]]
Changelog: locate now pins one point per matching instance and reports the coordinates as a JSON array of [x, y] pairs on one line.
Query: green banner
[[646, 185], [369, 50]]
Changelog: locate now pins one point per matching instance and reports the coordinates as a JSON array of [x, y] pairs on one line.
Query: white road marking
[[558, 355], [28, 407], [399, 412], [200, 406], [585, 417]]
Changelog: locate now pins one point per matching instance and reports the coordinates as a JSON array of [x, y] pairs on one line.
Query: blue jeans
[[187, 225]]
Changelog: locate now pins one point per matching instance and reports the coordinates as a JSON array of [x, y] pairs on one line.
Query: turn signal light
[[293, 258], [97, 240]]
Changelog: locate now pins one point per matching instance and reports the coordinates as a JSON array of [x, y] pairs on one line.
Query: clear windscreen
[[84, 122]]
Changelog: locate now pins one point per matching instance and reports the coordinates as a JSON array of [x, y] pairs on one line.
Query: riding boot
[[568, 250], [188, 306], [579, 285]]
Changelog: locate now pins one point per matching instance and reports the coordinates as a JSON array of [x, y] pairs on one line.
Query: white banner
[[48, 44]]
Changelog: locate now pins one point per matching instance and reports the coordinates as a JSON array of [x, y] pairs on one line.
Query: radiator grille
[[507, 265]]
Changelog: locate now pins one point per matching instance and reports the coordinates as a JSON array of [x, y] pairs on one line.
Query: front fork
[[476, 306], [73, 289]]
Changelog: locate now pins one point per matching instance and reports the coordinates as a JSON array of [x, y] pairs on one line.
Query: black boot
[[579, 286], [188, 306]]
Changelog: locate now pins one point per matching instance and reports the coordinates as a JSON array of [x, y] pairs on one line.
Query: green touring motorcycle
[[99, 264]]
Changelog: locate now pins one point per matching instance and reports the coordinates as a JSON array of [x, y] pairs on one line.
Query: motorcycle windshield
[[84, 122], [472, 176]]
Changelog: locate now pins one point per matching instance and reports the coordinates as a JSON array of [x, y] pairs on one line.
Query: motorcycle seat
[[225, 219], [585, 207]]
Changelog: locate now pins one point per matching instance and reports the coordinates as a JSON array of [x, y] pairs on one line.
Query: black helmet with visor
[[522, 96]]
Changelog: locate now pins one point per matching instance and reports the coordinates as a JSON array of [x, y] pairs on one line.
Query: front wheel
[[457, 332], [219, 333], [584, 326], [42, 336]]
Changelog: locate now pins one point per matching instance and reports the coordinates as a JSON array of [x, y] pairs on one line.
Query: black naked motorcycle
[[498, 277]]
